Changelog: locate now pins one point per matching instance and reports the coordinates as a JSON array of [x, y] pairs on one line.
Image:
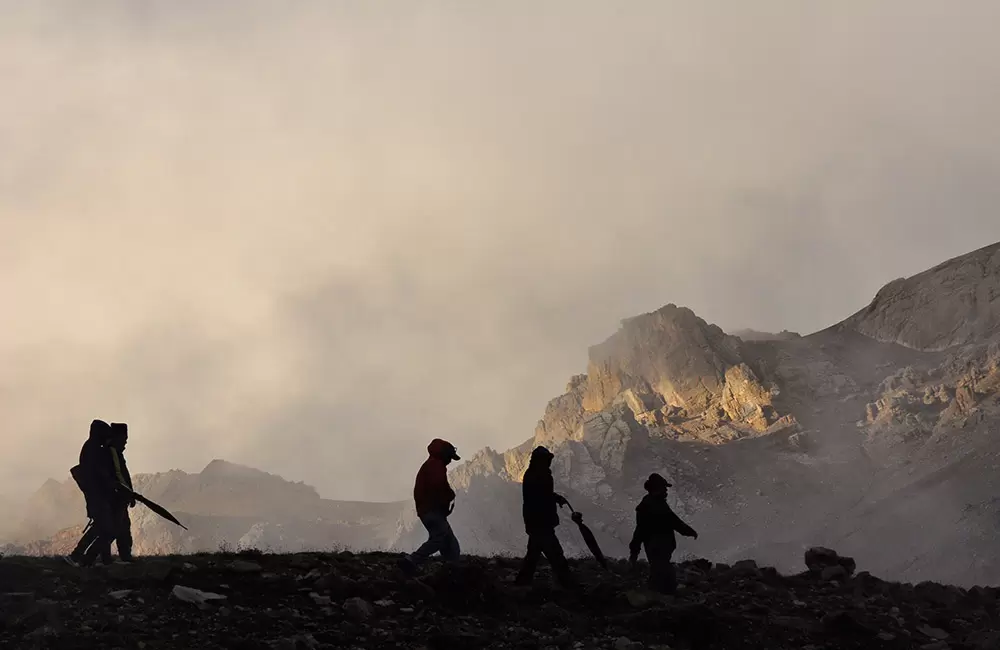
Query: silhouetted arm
[[549, 488], [120, 476], [680, 526], [638, 537], [125, 473]]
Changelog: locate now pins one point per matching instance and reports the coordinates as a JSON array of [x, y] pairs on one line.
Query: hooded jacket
[[431, 491], [540, 507], [656, 523], [87, 473]]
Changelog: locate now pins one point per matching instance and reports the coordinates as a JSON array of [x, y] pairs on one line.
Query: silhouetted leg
[[530, 562], [437, 531], [89, 536], [554, 554], [123, 533], [101, 547], [104, 525], [451, 550], [662, 577]]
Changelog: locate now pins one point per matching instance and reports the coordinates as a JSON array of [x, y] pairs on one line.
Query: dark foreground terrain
[[362, 601]]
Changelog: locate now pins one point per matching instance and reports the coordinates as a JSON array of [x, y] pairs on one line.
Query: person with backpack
[[654, 530], [434, 500], [86, 474], [111, 516], [540, 520]]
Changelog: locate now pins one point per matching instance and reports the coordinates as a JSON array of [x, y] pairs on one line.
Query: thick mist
[[311, 236]]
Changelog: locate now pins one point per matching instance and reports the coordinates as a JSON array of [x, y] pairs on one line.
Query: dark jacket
[[431, 491], [87, 473], [113, 474], [540, 502], [655, 523]]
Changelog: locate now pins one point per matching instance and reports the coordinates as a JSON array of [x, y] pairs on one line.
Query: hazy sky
[[310, 236]]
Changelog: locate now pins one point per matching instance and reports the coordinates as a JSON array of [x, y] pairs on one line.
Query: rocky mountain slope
[[225, 505], [876, 435], [312, 601], [757, 335], [953, 304]]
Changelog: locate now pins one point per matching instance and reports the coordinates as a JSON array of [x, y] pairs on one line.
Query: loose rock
[[472, 605], [819, 558], [358, 608], [242, 566], [196, 596]]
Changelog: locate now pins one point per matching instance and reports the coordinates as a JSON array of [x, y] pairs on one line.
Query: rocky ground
[[289, 602]]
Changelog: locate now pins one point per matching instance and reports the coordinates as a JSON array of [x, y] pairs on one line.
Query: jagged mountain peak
[[827, 431], [50, 486], [225, 504], [668, 312], [666, 357], [668, 325], [225, 469], [750, 334], [856, 436], [955, 303]]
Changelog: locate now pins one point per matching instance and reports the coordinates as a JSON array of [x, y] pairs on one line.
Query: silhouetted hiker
[[654, 529], [111, 512], [434, 499], [86, 475], [541, 519]]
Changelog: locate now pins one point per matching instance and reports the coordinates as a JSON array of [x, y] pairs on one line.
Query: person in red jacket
[[434, 499]]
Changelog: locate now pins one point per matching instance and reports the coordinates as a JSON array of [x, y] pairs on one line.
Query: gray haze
[[310, 236]]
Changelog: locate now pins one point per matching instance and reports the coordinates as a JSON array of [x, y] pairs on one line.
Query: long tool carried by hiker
[[588, 537], [155, 507]]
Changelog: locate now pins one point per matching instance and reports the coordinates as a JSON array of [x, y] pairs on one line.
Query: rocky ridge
[[255, 601], [956, 303], [878, 428], [757, 335], [224, 506], [875, 436]]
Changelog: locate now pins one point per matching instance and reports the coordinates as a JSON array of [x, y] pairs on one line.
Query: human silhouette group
[[656, 522], [104, 479]]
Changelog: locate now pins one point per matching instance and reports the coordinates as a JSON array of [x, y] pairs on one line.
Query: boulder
[[819, 558]]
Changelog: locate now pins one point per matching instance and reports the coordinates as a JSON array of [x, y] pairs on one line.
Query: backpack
[[85, 474], [78, 475]]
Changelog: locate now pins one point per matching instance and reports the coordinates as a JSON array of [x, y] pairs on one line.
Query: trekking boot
[[106, 561]]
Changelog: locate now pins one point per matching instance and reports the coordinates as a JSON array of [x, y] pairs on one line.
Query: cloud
[[311, 237]]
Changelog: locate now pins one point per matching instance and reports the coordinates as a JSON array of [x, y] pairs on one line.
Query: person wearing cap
[[434, 500], [654, 530], [541, 518]]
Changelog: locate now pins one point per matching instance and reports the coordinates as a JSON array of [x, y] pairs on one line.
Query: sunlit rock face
[[778, 441], [875, 436]]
